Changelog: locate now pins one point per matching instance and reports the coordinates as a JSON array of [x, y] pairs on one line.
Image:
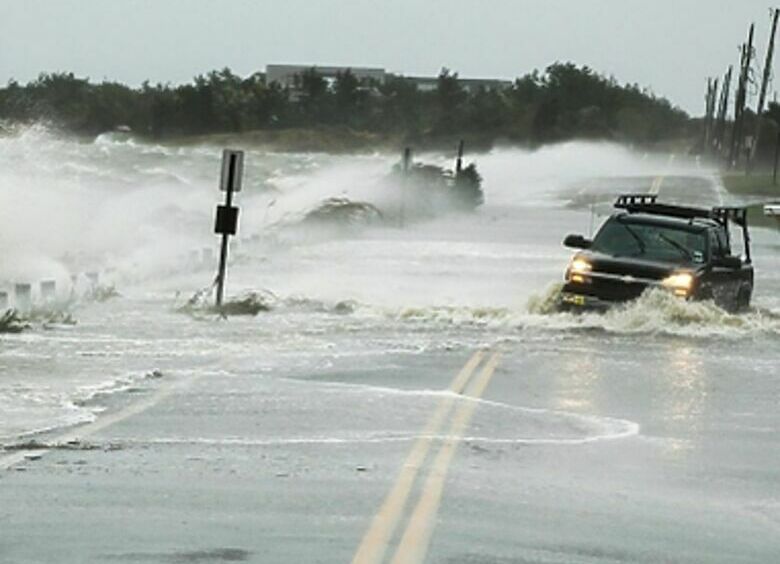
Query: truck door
[[725, 281]]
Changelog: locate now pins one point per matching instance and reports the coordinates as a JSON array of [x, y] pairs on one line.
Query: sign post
[[227, 215]]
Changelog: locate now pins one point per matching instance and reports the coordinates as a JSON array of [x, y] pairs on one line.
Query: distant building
[[472, 85], [288, 76]]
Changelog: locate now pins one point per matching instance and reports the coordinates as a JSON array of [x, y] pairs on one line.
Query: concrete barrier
[[23, 297], [48, 291]]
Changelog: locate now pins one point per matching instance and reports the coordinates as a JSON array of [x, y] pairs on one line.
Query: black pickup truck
[[648, 244]]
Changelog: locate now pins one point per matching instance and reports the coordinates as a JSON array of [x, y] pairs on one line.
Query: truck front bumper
[[572, 301]]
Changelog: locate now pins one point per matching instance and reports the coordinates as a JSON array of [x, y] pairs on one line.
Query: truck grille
[[614, 290]]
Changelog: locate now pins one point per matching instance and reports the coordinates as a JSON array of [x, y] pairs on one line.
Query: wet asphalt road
[[550, 440]]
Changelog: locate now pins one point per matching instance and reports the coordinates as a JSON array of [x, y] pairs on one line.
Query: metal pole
[[223, 251]]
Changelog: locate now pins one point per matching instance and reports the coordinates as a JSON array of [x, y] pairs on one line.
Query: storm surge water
[[363, 279]]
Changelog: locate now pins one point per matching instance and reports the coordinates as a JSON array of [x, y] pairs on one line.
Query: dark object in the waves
[[343, 211], [12, 322], [432, 186], [248, 304]]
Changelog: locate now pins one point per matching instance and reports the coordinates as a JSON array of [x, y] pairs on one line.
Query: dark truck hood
[[637, 268]]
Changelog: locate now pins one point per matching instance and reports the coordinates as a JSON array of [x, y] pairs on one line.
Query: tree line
[[564, 101]]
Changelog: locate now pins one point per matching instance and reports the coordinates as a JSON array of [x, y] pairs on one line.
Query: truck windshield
[[621, 238]]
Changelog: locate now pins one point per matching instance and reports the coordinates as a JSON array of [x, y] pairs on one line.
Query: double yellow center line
[[414, 542], [655, 187]]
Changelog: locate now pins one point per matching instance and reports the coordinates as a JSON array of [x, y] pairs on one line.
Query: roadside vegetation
[[759, 184], [754, 187], [563, 102]]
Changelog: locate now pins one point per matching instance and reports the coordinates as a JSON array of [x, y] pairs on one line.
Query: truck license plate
[[574, 299]]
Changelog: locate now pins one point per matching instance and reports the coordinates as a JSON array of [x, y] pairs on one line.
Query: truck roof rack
[[648, 203], [726, 214], [626, 200]]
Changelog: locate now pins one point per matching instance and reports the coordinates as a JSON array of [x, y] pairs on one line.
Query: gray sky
[[668, 45]]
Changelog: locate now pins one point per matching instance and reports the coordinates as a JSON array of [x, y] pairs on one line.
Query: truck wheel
[[705, 293], [743, 298]]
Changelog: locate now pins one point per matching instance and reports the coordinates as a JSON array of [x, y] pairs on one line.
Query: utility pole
[[709, 116], [770, 51], [227, 215], [739, 106], [720, 124]]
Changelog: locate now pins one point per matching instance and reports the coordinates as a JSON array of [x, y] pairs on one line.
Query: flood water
[[649, 433]]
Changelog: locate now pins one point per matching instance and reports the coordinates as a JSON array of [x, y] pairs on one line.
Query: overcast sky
[[670, 46]]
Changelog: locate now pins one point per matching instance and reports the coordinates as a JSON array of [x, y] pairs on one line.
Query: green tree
[[314, 96], [450, 98]]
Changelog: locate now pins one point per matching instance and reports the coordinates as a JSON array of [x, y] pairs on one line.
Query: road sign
[[226, 223], [232, 171], [227, 220]]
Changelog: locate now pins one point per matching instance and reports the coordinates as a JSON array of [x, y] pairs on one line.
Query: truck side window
[[724, 242], [715, 245]]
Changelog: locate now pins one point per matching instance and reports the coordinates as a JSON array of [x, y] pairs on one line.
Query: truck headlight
[[680, 283], [578, 268]]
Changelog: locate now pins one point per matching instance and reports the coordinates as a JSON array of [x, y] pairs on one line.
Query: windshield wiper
[[639, 241], [676, 245]]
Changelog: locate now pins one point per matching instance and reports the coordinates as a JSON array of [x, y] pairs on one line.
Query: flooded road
[[409, 396]]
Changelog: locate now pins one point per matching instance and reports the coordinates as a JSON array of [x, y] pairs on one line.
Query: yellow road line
[[83, 431], [417, 538], [656, 186], [376, 540]]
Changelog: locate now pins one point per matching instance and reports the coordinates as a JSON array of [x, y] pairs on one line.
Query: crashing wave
[[657, 312]]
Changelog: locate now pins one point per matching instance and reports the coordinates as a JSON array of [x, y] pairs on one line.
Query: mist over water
[[141, 214], [113, 202]]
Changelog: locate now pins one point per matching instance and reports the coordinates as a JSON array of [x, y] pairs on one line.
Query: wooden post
[[765, 82], [405, 181]]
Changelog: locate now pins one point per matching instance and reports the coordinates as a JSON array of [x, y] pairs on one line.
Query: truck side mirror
[[731, 262], [577, 242]]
